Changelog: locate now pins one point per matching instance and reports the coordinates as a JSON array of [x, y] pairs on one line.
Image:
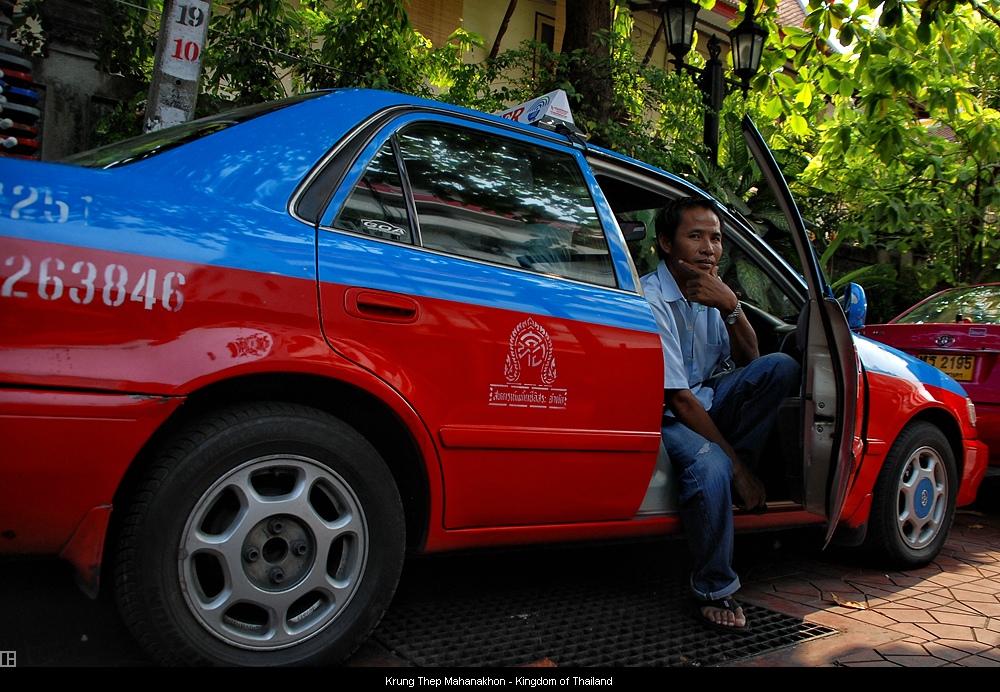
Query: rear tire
[[267, 534], [914, 498]]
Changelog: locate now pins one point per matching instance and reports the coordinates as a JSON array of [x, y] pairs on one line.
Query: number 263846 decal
[[84, 282]]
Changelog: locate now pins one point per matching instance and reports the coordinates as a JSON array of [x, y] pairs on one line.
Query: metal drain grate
[[571, 617]]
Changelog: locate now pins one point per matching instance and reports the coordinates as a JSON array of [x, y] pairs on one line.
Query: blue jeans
[[744, 409]]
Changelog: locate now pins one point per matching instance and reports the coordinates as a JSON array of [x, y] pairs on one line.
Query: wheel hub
[[273, 552], [924, 503], [278, 553], [922, 490]]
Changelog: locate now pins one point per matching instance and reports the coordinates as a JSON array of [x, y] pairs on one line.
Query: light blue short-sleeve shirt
[[694, 338]]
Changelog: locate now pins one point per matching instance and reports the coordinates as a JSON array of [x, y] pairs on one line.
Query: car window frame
[[350, 173], [735, 230]]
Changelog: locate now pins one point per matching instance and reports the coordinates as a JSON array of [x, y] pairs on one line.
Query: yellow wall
[[436, 19]]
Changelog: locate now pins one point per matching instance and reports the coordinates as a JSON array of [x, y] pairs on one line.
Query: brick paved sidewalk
[[946, 614]]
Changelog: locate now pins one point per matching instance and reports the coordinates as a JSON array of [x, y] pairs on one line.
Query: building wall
[[436, 19]]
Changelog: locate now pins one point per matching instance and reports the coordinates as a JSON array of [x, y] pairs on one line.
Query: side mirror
[[632, 230], [855, 304]]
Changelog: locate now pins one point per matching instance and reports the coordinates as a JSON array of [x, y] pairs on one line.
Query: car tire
[[266, 534], [914, 498]]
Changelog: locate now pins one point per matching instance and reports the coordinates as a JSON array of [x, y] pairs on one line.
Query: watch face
[[734, 315]]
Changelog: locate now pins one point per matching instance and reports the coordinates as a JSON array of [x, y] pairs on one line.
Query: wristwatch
[[735, 314]]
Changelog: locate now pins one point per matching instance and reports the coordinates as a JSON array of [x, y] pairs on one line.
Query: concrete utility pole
[[173, 91]]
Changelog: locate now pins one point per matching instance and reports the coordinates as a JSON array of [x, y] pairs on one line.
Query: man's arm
[[711, 291], [689, 411]]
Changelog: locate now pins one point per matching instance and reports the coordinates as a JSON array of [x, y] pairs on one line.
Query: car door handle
[[377, 305]]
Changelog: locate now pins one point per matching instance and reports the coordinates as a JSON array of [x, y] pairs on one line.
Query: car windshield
[[970, 305]]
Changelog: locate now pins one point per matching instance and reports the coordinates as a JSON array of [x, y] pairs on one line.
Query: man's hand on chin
[[703, 285]]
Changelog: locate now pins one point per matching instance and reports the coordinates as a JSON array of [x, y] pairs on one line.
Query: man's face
[[698, 242]]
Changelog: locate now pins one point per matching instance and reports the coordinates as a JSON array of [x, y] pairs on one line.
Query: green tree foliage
[[260, 50], [257, 51], [127, 42], [902, 128]]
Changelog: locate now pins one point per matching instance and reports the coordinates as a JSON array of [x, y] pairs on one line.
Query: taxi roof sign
[[549, 111]]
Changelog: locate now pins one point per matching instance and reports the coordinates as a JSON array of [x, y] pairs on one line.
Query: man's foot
[[723, 615]]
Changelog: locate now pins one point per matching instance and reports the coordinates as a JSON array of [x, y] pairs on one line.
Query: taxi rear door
[[830, 363], [472, 268]]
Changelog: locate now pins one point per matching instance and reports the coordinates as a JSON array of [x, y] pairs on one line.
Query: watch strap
[[735, 314]]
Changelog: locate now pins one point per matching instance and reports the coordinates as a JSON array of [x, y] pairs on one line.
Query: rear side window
[[377, 206], [483, 197]]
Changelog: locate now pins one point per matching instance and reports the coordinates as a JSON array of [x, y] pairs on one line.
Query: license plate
[[959, 367]]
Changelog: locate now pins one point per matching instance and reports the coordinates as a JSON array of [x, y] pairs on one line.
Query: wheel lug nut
[[276, 526], [300, 548], [251, 554], [276, 575]]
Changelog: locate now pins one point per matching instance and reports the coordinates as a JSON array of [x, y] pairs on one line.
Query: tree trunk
[[503, 29], [588, 28], [652, 44]]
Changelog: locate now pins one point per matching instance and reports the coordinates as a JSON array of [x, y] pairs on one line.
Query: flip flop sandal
[[728, 603]]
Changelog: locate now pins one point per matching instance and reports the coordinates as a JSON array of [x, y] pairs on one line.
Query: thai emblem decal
[[530, 371], [944, 340]]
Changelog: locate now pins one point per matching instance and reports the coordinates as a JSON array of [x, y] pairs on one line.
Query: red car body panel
[[593, 458], [47, 428], [575, 470], [979, 340]]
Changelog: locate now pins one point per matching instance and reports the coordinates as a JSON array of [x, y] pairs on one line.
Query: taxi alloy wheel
[[267, 535], [914, 502]]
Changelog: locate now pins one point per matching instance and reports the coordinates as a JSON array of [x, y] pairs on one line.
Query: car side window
[[502, 201], [751, 283], [742, 273], [377, 206]]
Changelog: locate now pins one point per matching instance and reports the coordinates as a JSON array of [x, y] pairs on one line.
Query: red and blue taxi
[[248, 362]]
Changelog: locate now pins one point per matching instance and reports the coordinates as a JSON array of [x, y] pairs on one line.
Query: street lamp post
[[747, 41]]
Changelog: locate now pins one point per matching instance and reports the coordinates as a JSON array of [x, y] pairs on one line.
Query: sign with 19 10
[[187, 31]]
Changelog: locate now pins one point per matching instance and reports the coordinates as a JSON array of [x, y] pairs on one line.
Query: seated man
[[717, 417]]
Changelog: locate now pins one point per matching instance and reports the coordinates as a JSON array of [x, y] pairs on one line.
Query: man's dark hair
[[670, 217]]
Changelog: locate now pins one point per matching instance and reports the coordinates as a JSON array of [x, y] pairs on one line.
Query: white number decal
[[44, 278], [15, 211], [169, 290], [52, 285], [59, 204], [40, 204], [149, 296], [109, 283], [8, 286], [88, 282]]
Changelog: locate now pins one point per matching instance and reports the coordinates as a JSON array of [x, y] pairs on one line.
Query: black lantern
[[747, 41], [679, 17]]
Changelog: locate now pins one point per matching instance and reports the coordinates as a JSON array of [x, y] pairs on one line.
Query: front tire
[[914, 501], [267, 534]]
